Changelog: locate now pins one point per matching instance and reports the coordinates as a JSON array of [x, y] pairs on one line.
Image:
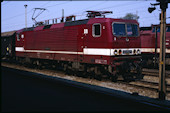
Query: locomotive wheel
[[85, 75], [98, 77], [127, 78], [68, 71], [39, 65], [79, 74], [139, 73], [92, 75]]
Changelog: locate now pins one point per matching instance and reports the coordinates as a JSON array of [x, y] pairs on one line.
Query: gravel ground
[[105, 83]]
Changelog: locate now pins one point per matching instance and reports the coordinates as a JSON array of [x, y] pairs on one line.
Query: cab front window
[[132, 30], [119, 29], [125, 29]]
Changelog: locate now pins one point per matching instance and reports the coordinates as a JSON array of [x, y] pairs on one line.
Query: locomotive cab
[[126, 35], [114, 44], [126, 48]]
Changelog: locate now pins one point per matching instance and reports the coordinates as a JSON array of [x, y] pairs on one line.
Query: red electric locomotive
[[150, 45], [97, 46]]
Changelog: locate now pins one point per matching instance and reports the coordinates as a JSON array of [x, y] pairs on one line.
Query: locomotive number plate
[[127, 52]]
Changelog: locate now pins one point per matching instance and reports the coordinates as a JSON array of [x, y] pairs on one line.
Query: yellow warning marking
[[161, 62], [7, 49]]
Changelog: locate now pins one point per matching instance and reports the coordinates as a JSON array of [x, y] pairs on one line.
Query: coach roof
[[9, 33]]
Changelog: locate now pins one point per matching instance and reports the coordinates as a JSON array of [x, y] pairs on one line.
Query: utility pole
[[25, 16], [162, 86], [156, 41]]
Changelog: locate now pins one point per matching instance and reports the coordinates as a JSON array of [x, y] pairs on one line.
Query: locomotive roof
[[74, 23], [150, 27], [159, 24]]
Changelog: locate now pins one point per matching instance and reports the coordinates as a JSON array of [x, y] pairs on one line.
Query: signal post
[[162, 86]]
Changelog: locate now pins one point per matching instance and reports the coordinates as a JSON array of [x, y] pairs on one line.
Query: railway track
[[141, 84], [154, 72], [146, 85]]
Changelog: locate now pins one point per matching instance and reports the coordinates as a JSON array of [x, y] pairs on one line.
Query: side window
[[153, 30], [168, 29], [96, 30], [18, 38], [158, 29]]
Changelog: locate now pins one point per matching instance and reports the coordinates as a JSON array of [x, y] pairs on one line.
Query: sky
[[13, 12]]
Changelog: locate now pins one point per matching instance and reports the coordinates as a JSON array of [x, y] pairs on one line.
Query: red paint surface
[[73, 39], [148, 39]]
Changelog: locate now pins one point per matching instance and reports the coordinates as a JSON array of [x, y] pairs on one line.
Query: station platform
[[24, 91]]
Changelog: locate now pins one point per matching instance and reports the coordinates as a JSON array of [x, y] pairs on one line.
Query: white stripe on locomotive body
[[108, 52], [152, 50], [95, 51], [21, 49], [86, 51]]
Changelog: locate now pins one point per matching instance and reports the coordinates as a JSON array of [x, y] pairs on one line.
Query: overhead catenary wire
[[57, 4], [96, 5], [117, 12], [64, 3], [53, 6], [84, 9], [9, 18], [114, 6], [45, 3], [27, 13]]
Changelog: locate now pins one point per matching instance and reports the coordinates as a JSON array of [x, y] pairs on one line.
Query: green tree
[[131, 16]]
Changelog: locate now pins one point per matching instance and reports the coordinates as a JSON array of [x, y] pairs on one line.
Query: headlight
[[115, 52], [138, 51], [120, 52], [134, 51]]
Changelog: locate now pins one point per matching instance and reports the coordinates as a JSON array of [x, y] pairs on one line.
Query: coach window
[[168, 29], [18, 38], [158, 29], [96, 30]]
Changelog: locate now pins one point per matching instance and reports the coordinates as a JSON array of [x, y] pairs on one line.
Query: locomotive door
[[82, 39]]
